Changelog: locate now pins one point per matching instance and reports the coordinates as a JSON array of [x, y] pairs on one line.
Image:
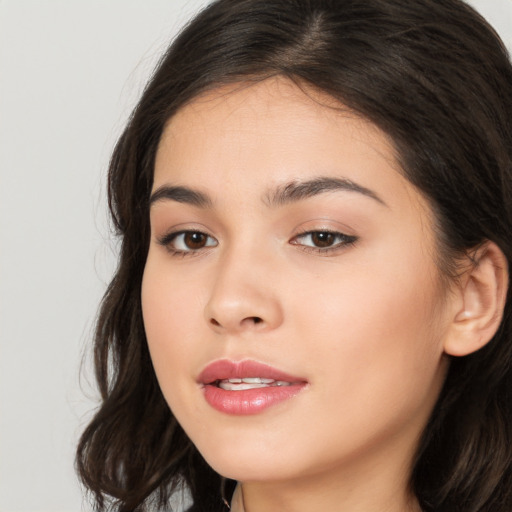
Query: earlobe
[[481, 300]]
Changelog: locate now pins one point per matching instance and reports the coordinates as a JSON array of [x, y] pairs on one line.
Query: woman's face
[[284, 236]]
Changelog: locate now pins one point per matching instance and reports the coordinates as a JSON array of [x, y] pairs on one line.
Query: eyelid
[[344, 241], [341, 241], [168, 238]]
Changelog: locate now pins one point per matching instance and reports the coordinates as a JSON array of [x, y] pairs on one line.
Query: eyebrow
[[181, 195], [284, 194], [298, 190]]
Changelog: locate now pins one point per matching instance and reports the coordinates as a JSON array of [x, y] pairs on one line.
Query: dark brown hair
[[435, 77]]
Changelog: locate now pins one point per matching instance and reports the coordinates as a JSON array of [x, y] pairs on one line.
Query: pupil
[[323, 239], [195, 240]]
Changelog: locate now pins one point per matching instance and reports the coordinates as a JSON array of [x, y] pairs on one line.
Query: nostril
[[254, 320]]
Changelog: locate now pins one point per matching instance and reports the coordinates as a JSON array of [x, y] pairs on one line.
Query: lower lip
[[249, 401]]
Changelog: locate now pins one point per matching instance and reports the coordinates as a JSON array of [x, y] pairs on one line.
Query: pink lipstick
[[247, 387]]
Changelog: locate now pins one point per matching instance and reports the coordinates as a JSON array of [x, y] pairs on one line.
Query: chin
[[247, 463], [250, 471]]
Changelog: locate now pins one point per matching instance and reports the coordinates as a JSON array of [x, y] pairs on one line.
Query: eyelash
[[168, 239], [343, 241]]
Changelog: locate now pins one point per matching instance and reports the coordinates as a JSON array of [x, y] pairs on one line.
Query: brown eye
[[323, 241], [184, 242], [195, 240], [322, 238]]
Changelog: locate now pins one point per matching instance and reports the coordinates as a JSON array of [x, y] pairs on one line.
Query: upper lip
[[224, 369]]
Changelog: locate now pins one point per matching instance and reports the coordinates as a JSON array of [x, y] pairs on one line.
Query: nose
[[244, 296]]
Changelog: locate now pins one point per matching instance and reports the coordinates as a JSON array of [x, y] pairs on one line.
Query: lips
[[247, 387]]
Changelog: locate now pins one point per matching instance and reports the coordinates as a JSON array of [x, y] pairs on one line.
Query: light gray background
[[70, 72]]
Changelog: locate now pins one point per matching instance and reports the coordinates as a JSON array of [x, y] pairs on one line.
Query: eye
[[323, 241], [183, 242]]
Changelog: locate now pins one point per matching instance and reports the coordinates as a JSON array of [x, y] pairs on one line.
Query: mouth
[[247, 387], [248, 383], [226, 373]]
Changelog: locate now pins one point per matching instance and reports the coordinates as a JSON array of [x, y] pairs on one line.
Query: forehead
[[261, 135], [276, 104]]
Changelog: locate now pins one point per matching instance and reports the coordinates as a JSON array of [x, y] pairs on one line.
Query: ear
[[479, 303]]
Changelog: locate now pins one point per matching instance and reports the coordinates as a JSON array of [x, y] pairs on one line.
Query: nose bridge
[[243, 293]]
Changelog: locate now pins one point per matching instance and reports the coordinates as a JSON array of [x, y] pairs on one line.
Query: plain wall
[[70, 72]]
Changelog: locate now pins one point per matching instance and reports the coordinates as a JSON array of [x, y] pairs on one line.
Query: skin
[[365, 323]]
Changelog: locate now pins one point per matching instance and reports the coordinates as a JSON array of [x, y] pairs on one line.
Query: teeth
[[223, 384], [249, 383], [255, 380]]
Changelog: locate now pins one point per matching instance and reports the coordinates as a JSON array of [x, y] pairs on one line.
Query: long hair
[[434, 76]]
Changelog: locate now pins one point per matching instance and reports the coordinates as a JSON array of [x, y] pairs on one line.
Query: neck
[[258, 498], [375, 488]]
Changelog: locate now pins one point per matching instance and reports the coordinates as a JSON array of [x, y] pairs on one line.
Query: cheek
[[379, 332], [172, 325], [170, 319]]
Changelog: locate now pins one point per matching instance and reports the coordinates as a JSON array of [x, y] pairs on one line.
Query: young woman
[[312, 305]]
